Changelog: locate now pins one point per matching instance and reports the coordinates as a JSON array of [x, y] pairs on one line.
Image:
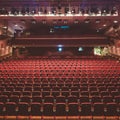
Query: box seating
[[68, 87]]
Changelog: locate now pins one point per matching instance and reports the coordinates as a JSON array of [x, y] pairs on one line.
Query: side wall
[[4, 48]]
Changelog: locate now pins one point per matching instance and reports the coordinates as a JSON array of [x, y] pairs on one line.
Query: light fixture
[[87, 21], [54, 22], [60, 45], [65, 21], [97, 30], [76, 21], [33, 21], [97, 21], [51, 30], [115, 21], [44, 21], [16, 25], [4, 27], [80, 49], [104, 25], [59, 49], [23, 21]]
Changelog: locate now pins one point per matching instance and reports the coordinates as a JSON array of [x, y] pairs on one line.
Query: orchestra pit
[[59, 59]]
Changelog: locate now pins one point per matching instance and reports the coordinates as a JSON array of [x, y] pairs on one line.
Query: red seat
[[73, 109], [49, 99], [10, 109], [3, 98], [60, 99], [98, 109], [72, 99], [111, 109], [14, 98], [84, 99], [1, 108], [107, 99], [96, 99], [26, 99], [35, 109], [86, 109], [48, 109], [23, 109], [60, 109], [37, 99]]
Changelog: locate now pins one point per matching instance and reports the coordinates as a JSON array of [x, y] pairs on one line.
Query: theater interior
[[59, 59]]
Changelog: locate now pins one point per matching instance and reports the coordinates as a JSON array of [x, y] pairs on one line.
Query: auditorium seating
[[60, 87]]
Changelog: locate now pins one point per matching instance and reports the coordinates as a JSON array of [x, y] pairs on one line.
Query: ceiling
[[108, 26]]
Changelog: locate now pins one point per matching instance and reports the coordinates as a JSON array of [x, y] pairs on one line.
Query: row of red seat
[[60, 88], [55, 97], [59, 109]]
